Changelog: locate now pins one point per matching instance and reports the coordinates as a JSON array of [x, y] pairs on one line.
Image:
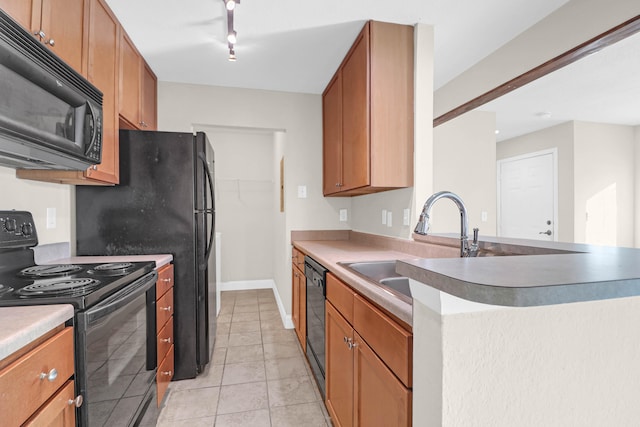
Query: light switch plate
[[484, 216], [343, 215], [302, 191], [389, 219], [384, 217], [405, 217], [51, 217]]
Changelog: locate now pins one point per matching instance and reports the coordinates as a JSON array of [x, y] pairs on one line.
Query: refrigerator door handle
[[207, 171]]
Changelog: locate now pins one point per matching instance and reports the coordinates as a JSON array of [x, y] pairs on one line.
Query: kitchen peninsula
[[546, 335]]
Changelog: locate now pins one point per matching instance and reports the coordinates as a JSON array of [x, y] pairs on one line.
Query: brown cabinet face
[[355, 112], [339, 364], [20, 10], [332, 137], [102, 71], [299, 306], [164, 326], [149, 99], [57, 412], [380, 399], [129, 80], [368, 114]]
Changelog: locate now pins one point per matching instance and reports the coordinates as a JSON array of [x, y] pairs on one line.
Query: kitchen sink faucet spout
[[466, 249]]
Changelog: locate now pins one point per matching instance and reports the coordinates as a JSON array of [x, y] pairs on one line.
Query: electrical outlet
[[51, 217], [484, 216], [302, 191], [343, 215], [389, 219], [384, 217], [405, 217]]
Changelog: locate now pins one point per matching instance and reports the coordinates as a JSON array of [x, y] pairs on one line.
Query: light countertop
[[25, 324]]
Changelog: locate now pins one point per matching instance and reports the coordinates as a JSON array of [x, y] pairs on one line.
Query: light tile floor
[[258, 375]]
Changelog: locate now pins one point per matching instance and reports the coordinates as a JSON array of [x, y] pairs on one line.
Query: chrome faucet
[[466, 249]]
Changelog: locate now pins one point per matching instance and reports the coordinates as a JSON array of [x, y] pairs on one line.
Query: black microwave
[[50, 116]]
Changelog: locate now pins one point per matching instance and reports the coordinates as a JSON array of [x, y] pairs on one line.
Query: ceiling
[[296, 45], [602, 88]]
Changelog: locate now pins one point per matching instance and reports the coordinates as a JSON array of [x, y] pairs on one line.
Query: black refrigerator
[[163, 204]]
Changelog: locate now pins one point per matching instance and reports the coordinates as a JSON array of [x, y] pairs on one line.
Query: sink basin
[[382, 273]]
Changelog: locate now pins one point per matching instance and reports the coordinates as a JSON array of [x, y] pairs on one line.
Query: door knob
[[548, 232]]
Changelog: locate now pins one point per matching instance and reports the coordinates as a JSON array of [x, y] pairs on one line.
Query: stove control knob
[[10, 225], [27, 229]]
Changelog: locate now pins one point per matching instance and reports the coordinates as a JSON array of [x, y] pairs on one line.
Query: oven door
[[116, 358]]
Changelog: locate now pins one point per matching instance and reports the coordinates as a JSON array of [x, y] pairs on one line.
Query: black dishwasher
[[316, 292]]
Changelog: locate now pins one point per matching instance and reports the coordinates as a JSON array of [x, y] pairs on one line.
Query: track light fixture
[[230, 5]]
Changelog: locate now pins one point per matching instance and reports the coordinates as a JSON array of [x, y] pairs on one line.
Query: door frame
[[554, 156]]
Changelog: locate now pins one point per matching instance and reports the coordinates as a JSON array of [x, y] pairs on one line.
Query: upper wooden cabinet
[[368, 114], [61, 25], [137, 88], [87, 35]]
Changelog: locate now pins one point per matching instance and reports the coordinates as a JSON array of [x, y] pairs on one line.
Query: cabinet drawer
[[165, 280], [165, 339], [392, 343], [341, 296], [165, 374], [58, 411], [297, 258], [22, 388], [164, 309]]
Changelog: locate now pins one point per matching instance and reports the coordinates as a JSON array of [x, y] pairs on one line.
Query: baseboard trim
[[244, 285]]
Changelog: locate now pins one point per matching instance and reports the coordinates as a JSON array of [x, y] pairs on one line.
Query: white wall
[[244, 177], [464, 162], [637, 187], [297, 120], [604, 184], [560, 137], [36, 197]]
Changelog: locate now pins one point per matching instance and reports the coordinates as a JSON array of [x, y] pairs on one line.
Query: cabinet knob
[[166, 373], [167, 280], [167, 340], [51, 376], [51, 42], [165, 308], [40, 34], [352, 345], [77, 402]]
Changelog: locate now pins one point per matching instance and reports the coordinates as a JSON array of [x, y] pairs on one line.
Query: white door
[[527, 201]]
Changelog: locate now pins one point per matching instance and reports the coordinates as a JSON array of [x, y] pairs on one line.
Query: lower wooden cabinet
[[164, 325], [364, 380], [299, 298], [37, 388]]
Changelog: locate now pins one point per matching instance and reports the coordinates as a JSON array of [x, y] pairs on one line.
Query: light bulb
[[231, 4], [231, 37], [232, 55]]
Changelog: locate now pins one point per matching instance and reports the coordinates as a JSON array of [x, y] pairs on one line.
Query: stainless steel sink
[[383, 273]]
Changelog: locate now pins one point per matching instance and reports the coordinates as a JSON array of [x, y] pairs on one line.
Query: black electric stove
[[114, 323]]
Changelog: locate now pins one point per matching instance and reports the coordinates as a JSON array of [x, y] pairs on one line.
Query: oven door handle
[[121, 298]]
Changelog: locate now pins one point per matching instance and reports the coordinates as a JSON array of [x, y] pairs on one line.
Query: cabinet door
[[295, 299], [103, 72], [57, 412], [21, 10], [64, 23], [355, 115], [149, 99], [332, 136], [380, 398], [339, 368], [302, 311], [129, 81]]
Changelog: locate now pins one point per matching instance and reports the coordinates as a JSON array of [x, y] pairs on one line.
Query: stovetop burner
[[66, 287], [5, 289], [112, 269], [50, 270]]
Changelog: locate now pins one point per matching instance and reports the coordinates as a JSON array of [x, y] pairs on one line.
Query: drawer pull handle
[[165, 308], [167, 280], [167, 340], [166, 373], [77, 402], [51, 376]]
